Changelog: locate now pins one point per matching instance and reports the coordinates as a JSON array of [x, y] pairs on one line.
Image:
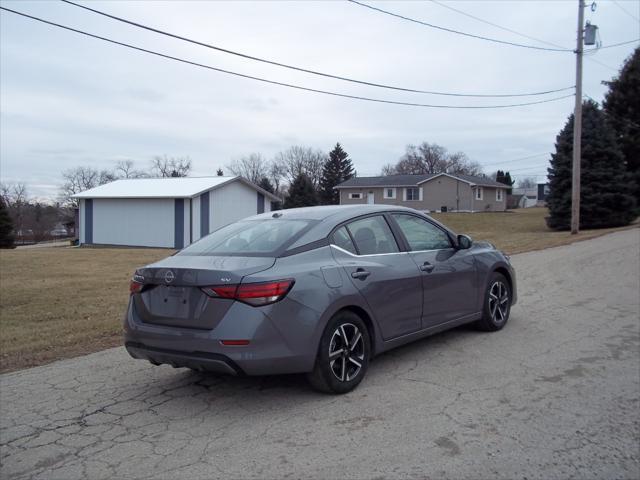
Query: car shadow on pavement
[[387, 364]]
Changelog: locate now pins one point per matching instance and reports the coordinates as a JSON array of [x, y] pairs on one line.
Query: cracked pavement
[[556, 394]]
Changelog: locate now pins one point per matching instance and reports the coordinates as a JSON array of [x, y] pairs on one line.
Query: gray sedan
[[317, 290]]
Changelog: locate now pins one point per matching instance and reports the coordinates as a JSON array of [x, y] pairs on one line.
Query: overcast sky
[[67, 100]]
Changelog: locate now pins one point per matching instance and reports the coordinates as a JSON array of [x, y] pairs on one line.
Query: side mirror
[[464, 242]]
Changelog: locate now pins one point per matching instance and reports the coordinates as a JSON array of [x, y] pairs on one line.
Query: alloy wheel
[[346, 352], [498, 302]]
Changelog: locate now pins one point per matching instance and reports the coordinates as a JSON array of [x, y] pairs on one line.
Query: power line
[[614, 45], [527, 36], [461, 12], [524, 169], [515, 159], [626, 11], [504, 42], [273, 82], [450, 30], [306, 70]]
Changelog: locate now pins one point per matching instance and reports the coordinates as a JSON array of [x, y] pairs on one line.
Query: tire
[[497, 304], [338, 370]]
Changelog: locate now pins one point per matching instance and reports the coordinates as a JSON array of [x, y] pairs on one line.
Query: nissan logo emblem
[[169, 276]]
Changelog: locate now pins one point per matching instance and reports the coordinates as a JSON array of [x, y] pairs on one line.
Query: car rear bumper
[[211, 362], [271, 348]]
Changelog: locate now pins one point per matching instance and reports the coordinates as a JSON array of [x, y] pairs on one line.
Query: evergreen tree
[[220, 173], [508, 181], [336, 170], [505, 177], [605, 199], [6, 227], [266, 184], [622, 106], [301, 193]]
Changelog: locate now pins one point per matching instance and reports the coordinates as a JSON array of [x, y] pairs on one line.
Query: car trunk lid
[[172, 293]]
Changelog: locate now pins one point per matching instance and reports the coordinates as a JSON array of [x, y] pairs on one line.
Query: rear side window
[[373, 236], [342, 239], [421, 234], [255, 238]]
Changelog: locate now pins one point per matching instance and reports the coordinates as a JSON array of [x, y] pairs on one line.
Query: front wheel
[[497, 304], [343, 355]]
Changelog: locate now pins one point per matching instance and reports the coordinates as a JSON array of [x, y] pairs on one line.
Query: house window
[[498, 195], [412, 194], [478, 193], [355, 196], [389, 193]]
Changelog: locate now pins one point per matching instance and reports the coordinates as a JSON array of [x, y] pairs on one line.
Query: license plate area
[[169, 301]]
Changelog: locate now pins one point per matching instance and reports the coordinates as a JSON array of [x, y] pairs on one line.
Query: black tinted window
[[421, 234], [372, 236], [251, 238], [342, 239]]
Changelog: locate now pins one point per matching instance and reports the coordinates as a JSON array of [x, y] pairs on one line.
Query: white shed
[[166, 212]]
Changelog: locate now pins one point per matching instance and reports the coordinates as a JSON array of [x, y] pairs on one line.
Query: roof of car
[[326, 211]]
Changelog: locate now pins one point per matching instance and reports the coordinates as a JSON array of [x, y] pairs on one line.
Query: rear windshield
[[251, 238]]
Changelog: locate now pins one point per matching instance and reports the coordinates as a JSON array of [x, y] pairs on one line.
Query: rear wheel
[[343, 355], [497, 304]]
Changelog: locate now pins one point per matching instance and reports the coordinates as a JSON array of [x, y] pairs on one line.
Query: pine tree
[[622, 106], [220, 173], [266, 184], [508, 181], [336, 170], [301, 193], [6, 227], [605, 199]]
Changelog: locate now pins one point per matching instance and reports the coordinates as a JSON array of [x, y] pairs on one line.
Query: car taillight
[[135, 287], [256, 294]]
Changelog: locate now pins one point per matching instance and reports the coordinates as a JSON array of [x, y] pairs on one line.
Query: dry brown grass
[[516, 231], [62, 302]]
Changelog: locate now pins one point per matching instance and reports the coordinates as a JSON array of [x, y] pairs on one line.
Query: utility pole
[[577, 126]]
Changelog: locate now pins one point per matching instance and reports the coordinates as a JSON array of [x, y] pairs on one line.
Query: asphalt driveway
[[554, 395]]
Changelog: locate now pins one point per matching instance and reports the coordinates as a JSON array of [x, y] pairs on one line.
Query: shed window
[[478, 193], [498, 195], [389, 193], [355, 196]]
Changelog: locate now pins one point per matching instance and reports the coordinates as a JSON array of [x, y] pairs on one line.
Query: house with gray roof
[[439, 192]]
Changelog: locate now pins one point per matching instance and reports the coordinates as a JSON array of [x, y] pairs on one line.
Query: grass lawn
[[63, 302], [516, 231]]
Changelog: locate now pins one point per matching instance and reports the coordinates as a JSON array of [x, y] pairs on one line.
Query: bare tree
[[432, 158], [459, 163], [17, 201], [125, 169], [276, 175], [79, 179], [253, 167], [301, 160], [527, 182], [164, 166], [40, 220], [388, 169]]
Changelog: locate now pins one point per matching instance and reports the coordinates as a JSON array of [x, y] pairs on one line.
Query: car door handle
[[360, 273], [427, 267]]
